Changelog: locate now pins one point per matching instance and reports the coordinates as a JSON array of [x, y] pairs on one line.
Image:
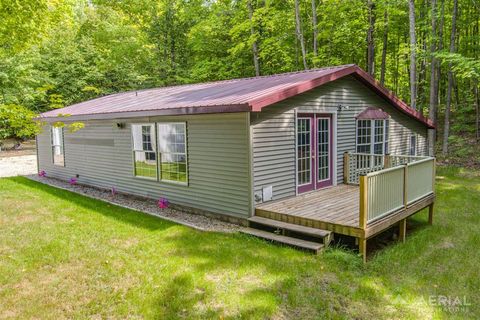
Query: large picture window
[[372, 136], [172, 148], [144, 150], [58, 146]]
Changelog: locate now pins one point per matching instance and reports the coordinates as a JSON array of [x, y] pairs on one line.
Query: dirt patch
[[18, 166]]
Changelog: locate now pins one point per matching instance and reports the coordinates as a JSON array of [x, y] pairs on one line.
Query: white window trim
[[372, 135], [159, 163], [157, 153], [54, 145], [137, 150]]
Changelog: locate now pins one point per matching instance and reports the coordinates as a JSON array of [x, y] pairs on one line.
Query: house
[[313, 152]]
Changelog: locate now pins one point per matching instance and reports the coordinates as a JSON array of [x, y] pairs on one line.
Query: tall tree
[[432, 113], [370, 40], [298, 30], [315, 28], [413, 55], [384, 47], [254, 43], [446, 130]]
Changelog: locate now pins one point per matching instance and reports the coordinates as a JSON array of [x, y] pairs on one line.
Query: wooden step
[[319, 233], [298, 243]]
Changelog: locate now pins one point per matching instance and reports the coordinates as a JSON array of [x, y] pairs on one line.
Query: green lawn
[[66, 256]]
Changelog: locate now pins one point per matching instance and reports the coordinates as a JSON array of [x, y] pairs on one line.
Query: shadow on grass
[[270, 280], [131, 217]]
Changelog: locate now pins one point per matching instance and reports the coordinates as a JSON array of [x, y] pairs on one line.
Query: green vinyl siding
[[218, 161], [273, 131]]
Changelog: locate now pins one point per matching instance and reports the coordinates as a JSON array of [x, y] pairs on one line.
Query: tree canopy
[[57, 52]]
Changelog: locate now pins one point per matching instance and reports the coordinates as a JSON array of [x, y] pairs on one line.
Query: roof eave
[[148, 113]]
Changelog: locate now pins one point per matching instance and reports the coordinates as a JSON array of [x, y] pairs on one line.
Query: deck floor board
[[338, 205]]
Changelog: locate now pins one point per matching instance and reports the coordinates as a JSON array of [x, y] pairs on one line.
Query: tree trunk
[[477, 110], [254, 44], [432, 113], [413, 56], [384, 49], [298, 29], [315, 28], [446, 130], [370, 40]]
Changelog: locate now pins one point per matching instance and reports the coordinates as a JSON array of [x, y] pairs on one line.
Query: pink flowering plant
[[163, 203], [42, 174], [114, 191], [73, 181]]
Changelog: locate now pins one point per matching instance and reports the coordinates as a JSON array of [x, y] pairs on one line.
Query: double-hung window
[[58, 146], [372, 136], [172, 148], [144, 151], [160, 151]]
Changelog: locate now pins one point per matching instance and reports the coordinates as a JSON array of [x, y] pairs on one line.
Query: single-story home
[[311, 149]]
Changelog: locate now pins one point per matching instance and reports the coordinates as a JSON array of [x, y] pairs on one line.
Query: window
[[144, 150], [58, 147], [372, 136], [364, 136], [172, 148], [413, 145]]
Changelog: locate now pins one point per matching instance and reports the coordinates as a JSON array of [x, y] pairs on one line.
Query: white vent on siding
[[267, 193]]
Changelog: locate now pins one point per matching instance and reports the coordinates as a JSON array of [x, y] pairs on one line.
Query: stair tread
[[290, 226], [283, 239]]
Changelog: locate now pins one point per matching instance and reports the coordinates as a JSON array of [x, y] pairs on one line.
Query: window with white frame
[[413, 145], [172, 149], [58, 146], [372, 136], [144, 151]]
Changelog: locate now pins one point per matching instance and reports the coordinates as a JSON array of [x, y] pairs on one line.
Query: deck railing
[[388, 190], [357, 164]]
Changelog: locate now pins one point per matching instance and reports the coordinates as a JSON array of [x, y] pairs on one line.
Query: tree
[[432, 114], [370, 40], [315, 28], [446, 130], [254, 41], [298, 31], [384, 47], [413, 55]]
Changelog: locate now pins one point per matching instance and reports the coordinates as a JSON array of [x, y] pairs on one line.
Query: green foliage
[[55, 53], [17, 121]]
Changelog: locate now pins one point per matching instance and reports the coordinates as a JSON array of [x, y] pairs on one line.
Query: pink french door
[[314, 151]]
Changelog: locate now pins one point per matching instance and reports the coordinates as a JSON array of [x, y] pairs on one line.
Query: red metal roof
[[248, 94], [372, 113]]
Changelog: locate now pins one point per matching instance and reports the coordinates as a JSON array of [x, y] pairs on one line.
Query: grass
[[66, 256]]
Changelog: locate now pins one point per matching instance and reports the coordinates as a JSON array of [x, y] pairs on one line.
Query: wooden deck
[[339, 204], [335, 209]]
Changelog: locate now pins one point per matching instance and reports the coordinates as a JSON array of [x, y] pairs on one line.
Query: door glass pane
[[323, 147], [304, 151]]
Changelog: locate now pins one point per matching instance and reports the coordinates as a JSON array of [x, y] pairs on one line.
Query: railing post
[[405, 177], [387, 162], [363, 201], [346, 167]]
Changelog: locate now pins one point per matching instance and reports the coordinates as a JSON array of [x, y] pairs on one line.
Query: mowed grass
[[66, 256]]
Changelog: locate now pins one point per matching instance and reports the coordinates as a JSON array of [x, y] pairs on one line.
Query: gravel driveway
[[18, 165]]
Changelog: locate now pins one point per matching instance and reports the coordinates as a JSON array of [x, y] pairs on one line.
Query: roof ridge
[[239, 79]]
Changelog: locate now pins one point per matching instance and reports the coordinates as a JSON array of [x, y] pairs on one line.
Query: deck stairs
[[306, 238]]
